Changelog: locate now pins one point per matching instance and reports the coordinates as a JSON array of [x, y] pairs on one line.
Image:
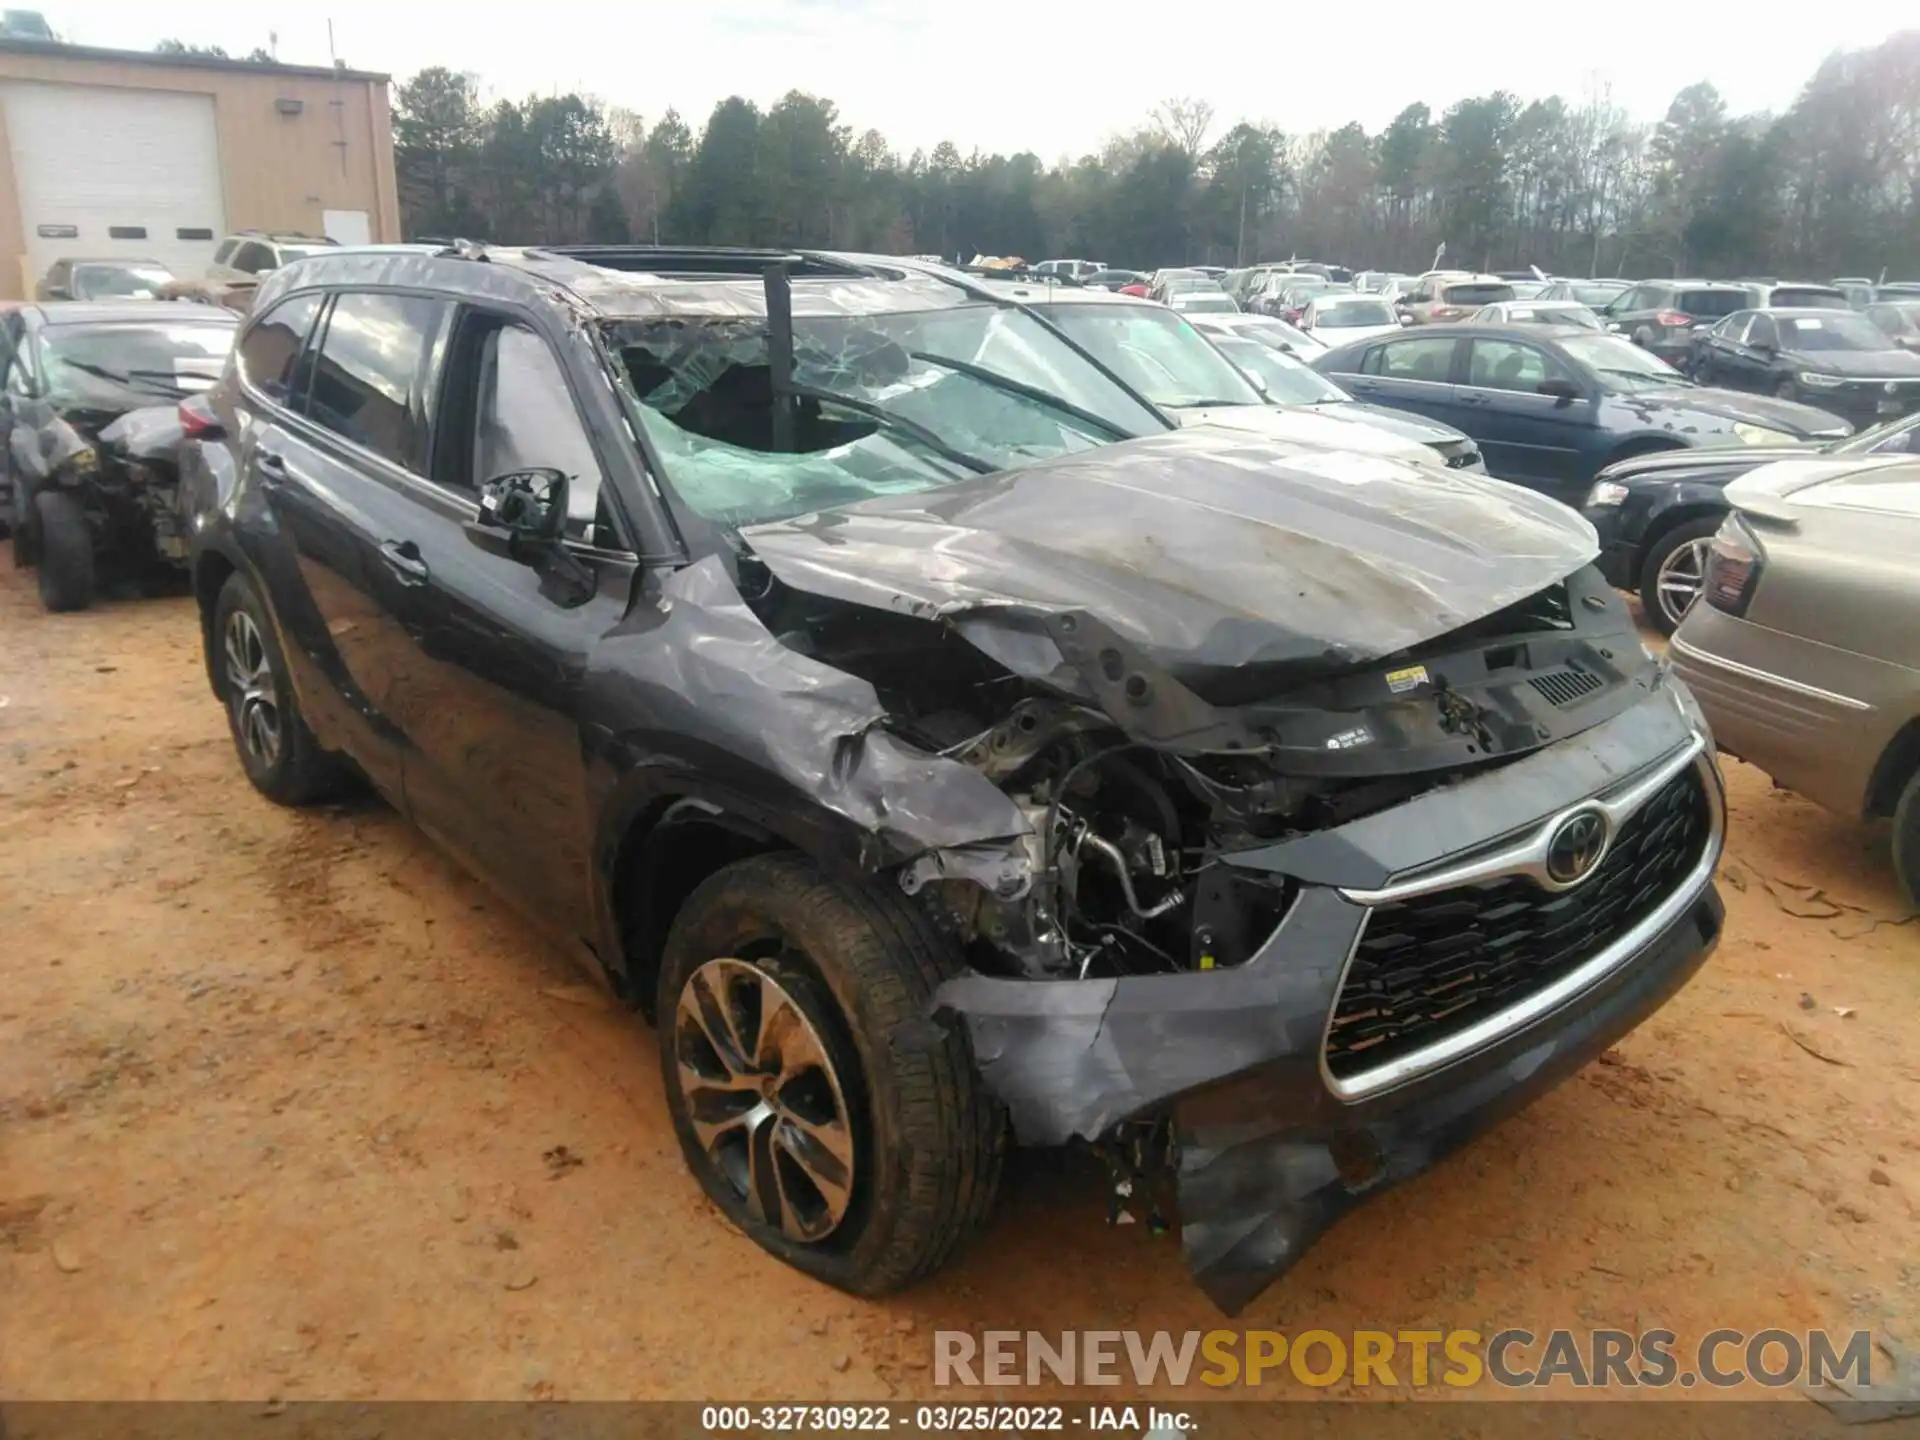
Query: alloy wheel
[[251, 693], [1682, 574], [764, 1097]]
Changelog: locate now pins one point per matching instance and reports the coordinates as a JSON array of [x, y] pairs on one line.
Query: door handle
[[271, 465], [404, 559]]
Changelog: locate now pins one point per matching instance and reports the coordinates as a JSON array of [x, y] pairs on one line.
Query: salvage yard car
[[1550, 405], [1803, 649], [1657, 514], [1835, 359], [942, 749], [1171, 362], [89, 470]]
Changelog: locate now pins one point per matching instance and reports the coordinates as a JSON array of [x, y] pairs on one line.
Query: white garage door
[[103, 171]]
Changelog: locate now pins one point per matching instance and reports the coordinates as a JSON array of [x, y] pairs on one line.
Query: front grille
[[1433, 964], [1563, 687]]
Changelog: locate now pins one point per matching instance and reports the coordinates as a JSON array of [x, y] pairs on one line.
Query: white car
[[1336, 319], [1203, 302], [1172, 364], [1267, 330]]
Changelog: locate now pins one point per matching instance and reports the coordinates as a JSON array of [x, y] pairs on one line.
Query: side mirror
[[1614, 328], [1405, 318], [59, 292], [522, 514], [1564, 391], [1765, 347]]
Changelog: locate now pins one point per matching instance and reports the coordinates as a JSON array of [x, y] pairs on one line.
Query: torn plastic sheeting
[[710, 670], [151, 433], [1205, 546]]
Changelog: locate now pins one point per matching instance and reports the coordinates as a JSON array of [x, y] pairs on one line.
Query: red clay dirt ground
[[283, 1099]]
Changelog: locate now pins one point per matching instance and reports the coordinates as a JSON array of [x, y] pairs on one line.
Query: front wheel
[[1675, 570], [65, 551], [276, 749], [1785, 390], [815, 1102]]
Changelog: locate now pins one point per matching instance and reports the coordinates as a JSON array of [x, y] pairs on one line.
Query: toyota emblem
[[1575, 847]]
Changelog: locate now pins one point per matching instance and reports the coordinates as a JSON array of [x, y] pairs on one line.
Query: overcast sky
[[922, 71]]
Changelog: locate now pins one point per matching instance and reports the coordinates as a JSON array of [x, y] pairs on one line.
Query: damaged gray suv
[[941, 747]]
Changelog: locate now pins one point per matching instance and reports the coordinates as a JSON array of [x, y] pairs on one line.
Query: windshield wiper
[[1029, 392], [124, 377], [929, 438]]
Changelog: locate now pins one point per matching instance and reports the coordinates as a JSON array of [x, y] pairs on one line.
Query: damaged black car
[[943, 749], [90, 432]]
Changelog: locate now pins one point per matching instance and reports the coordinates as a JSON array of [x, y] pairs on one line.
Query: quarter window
[[372, 372], [271, 351]]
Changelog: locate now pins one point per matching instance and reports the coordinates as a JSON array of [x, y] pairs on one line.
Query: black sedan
[[1657, 514], [1836, 359], [1550, 406]]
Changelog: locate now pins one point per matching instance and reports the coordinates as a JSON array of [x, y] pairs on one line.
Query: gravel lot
[[291, 1107]]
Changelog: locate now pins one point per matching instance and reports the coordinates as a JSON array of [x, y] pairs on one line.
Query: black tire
[[861, 963], [1906, 839], [1684, 535], [25, 551], [1787, 390], [64, 542], [295, 770]]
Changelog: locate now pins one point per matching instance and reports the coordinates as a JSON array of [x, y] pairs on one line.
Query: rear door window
[[1429, 359], [270, 354], [373, 373]]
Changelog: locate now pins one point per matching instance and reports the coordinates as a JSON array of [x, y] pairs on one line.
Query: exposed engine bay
[[1135, 780]]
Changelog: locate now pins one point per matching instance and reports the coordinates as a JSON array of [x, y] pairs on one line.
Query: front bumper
[[1274, 1146], [1619, 557], [1861, 404]]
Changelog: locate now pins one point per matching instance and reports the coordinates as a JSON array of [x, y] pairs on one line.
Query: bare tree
[[1185, 123]]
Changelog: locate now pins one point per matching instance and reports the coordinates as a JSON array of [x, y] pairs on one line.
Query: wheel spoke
[[763, 1098], [824, 1150], [713, 1015]]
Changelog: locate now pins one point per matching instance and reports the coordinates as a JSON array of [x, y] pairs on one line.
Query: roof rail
[[702, 260]]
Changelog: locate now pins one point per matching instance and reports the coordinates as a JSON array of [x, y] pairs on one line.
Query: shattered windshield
[[886, 403], [1156, 352], [121, 367]]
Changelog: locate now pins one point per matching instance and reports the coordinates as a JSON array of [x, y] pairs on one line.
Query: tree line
[[1831, 186]]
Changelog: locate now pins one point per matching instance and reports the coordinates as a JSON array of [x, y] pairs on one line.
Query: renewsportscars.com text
[[1390, 1359]]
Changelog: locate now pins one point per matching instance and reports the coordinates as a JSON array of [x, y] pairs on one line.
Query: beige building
[[148, 156]]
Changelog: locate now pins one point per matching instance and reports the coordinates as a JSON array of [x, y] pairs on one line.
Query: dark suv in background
[[1273, 842], [1660, 315]]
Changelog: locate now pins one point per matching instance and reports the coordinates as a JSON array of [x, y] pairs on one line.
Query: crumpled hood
[[1728, 406], [1208, 547], [1305, 425]]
